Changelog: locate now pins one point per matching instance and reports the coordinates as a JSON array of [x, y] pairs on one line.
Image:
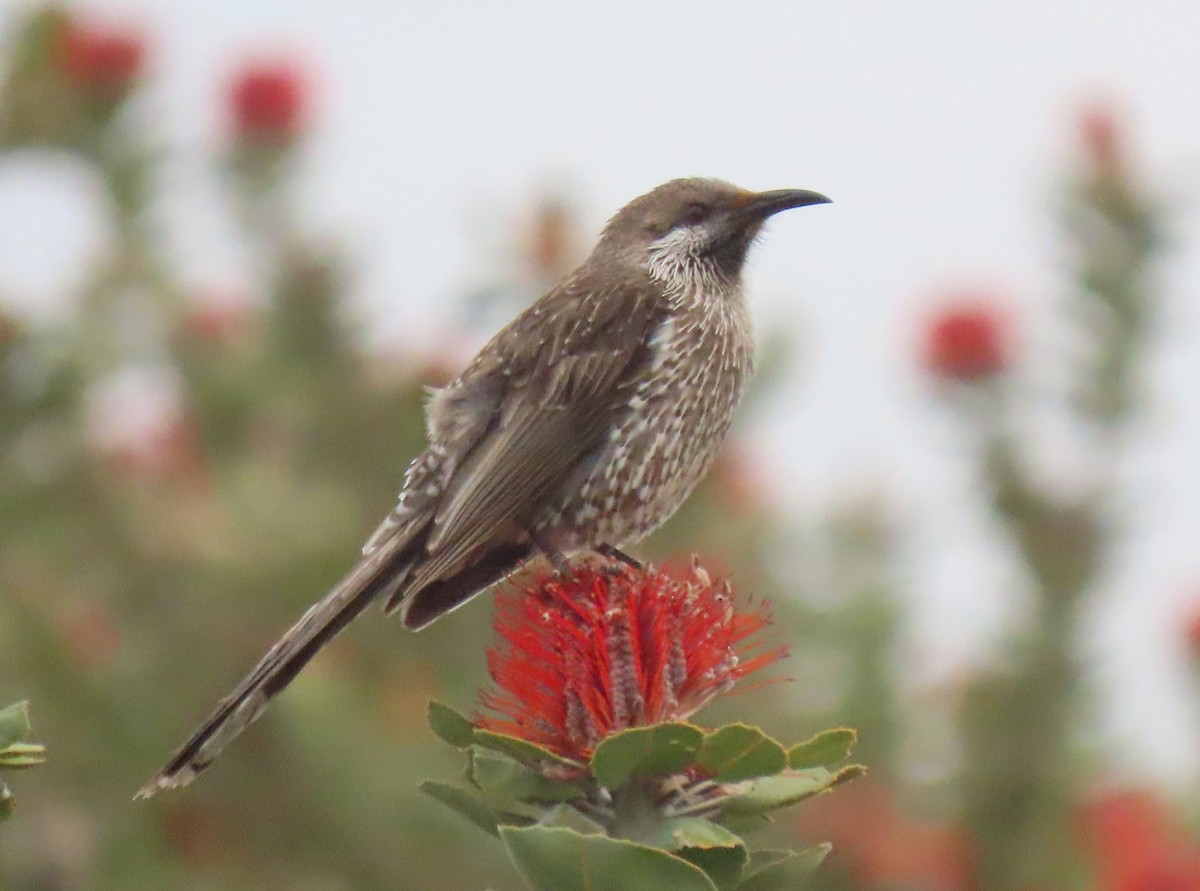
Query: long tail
[[376, 575]]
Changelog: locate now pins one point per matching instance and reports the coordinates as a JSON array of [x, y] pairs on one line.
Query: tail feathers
[[423, 601], [380, 572]]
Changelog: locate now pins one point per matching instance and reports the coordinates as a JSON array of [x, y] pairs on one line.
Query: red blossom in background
[[967, 341], [1136, 845], [10, 329], [741, 480], [170, 451], [610, 647], [218, 320], [268, 102], [104, 60], [1103, 138], [884, 847], [1192, 633], [90, 636]]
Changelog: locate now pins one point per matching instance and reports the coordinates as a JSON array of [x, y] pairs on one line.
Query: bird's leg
[[553, 554], [612, 552]]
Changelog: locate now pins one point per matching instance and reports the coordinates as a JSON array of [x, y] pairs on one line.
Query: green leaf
[[723, 866], [760, 860], [783, 873], [527, 753], [20, 755], [659, 750], [713, 848], [739, 752], [848, 773], [769, 793], [744, 823], [554, 859], [450, 726], [468, 804], [504, 780], [823, 750], [14, 723], [694, 832]]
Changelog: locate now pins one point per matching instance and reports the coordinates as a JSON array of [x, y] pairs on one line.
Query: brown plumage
[[583, 424]]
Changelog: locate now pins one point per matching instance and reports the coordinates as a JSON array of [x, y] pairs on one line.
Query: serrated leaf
[[450, 726], [14, 723], [784, 873], [521, 750], [468, 804], [550, 858], [659, 750], [823, 750], [504, 780], [769, 793], [739, 752]]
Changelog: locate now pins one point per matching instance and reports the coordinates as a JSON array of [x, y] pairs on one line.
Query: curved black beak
[[761, 205]]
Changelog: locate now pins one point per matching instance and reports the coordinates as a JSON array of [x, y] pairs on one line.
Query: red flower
[[966, 342], [610, 647], [268, 102], [102, 60]]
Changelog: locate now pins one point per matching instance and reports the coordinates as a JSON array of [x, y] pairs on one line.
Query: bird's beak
[[760, 205]]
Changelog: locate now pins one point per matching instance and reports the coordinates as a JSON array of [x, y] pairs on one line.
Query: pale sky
[[938, 129]]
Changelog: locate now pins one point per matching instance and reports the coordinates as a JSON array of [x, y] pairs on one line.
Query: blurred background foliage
[[182, 474]]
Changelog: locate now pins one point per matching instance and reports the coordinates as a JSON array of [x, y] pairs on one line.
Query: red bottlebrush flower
[[268, 103], [967, 342], [611, 646], [103, 60]]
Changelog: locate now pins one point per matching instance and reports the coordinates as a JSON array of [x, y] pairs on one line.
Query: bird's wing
[[569, 364]]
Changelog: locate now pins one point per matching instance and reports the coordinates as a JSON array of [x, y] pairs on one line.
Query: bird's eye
[[696, 212]]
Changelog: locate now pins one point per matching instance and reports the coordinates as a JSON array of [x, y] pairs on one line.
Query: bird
[[582, 425]]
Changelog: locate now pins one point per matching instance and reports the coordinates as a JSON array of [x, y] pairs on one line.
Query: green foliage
[[665, 793], [554, 859], [739, 752], [822, 750], [15, 752], [656, 751]]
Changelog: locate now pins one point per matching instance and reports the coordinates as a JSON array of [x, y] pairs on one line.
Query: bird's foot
[[562, 566], [612, 552]]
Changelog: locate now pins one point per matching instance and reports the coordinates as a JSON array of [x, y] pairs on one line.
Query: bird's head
[[695, 229]]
